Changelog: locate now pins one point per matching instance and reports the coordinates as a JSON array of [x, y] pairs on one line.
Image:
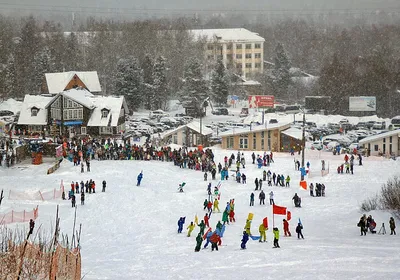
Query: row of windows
[[55, 114], [248, 65], [238, 47], [248, 55], [73, 114], [244, 142], [71, 104]]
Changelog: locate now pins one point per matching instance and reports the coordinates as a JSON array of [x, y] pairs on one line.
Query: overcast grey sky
[[160, 7]]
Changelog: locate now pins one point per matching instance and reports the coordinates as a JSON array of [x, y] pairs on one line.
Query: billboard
[[362, 103], [261, 101]]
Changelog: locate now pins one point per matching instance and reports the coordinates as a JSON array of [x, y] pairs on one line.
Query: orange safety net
[[19, 217]]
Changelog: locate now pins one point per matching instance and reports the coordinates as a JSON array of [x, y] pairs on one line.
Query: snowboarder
[[139, 178], [216, 205], [298, 231], [82, 198], [248, 226], [199, 240], [104, 186], [262, 197], [262, 230], [286, 228], [181, 222], [276, 237], [271, 198], [245, 238], [190, 228], [252, 199], [31, 227], [392, 226], [73, 200]]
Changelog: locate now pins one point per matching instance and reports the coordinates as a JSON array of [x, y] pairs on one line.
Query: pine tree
[[43, 63], [129, 81], [281, 72], [10, 77], [160, 83], [194, 84], [220, 84], [148, 88]]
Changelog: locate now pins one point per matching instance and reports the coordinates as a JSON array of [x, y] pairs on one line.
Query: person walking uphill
[[286, 228], [199, 240], [202, 226], [190, 228], [245, 238], [362, 224], [181, 221], [276, 238], [216, 205], [392, 226], [299, 228], [139, 178], [104, 186]]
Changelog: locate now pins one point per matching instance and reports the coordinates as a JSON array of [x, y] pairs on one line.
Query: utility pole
[[303, 144]]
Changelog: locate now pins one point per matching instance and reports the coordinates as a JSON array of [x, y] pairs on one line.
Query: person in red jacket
[[214, 239], [73, 187], [232, 216], [286, 228], [206, 220], [209, 206]]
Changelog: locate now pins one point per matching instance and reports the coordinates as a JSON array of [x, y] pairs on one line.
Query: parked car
[[361, 125], [158, 114], [244, 113], [220, 111], [370, 124], [379, 125], [317, 145]]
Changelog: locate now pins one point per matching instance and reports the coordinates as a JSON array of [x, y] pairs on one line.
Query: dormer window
[[34, 112], [104, 113]]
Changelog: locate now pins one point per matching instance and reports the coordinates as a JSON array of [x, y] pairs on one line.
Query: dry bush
[[390, 196]]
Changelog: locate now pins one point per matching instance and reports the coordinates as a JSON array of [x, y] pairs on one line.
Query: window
[[257, 46], [390, 139], [104, 113], [248, 65], [70, 114], [248, 55], [384, 149], [238, 46], [69, 104], [65, 117], [238, 56], [229, 47], [65, 102], [105, 130], [83, 130], [262, 143], [75, 104], [257, 65], [210, 47], [175, 139], [243, 143], [229, 142], [262, 134], [254, 141], [80, 114], [248, 46], [376, 148], [34, 112], [257, 55], [384, 140], [239, 65], [75, 114]]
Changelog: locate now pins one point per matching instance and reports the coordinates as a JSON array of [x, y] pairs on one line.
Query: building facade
[[189, 135], [384, 144], [238, 47]]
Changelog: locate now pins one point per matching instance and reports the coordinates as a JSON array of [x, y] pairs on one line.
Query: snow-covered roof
[[227, 35], [37, 101], [195, 125], [259, 128], [294, 133], [113, 104], [11, 105], [379, 136], [56, 82], [80, 95]]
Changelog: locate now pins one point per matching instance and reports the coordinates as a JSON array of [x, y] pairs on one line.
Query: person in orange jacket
[[94, 187], [286, 228]]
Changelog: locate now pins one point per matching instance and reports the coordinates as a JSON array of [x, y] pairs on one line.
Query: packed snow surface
[[130, 232]]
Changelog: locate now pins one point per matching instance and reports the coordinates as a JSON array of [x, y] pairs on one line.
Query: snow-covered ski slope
[[130, 232]]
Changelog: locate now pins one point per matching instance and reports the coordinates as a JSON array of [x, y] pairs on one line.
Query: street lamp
[[303, 144]]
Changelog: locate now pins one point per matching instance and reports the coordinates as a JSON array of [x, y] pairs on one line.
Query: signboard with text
[[261, 101], [362, 103]]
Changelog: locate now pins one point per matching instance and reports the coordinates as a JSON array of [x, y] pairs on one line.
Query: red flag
[[265, 222], [279, 210], [303, 184], [288, 215]]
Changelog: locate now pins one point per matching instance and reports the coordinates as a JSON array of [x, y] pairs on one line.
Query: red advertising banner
[[261, 101]]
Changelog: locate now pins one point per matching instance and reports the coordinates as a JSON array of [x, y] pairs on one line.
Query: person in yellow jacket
[[247, 227], [276, 238], [263, 235], [216, 205], [190, 228]]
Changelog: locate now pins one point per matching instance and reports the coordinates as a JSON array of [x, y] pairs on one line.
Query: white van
[[379, 125]]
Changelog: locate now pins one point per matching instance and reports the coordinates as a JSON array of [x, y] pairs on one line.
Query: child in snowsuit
[[225, 217], [206, 218], [199, 240], [245, 238], [232, 216], [190, 228], [286, 228], [298, 231], [276, 238], [262, 230], [392, 226]]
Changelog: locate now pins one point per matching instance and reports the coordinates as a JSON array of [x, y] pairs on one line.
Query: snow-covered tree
[[10, 77], [281, 73], [129, 81], [148, 89], [160, 83], [220, 83], [43, 63], [194, 84]]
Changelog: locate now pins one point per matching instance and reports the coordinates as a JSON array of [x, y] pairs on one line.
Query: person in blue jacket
[[139, 178], [245, 238], [181, 222], [209, 234]]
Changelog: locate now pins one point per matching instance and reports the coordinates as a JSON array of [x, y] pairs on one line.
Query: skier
[[298, 231], [31, 227], [262, 197], [181, 222], [276, 237], [190, 228], [262, 230], [199, 240], [392, 226], [139, 178], [286, 228], [82, 198], [245, 238], [271, 198], [104, 186], [206, 219], [216, 205], [73, 200], [252, 199]]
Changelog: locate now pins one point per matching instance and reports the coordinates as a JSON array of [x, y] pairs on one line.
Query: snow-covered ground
[[130, 232]]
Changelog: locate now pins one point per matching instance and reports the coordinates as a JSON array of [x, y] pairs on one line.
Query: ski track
[[130, 232]]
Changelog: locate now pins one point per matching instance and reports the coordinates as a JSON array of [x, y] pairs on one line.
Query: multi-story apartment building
[[237, 47]]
